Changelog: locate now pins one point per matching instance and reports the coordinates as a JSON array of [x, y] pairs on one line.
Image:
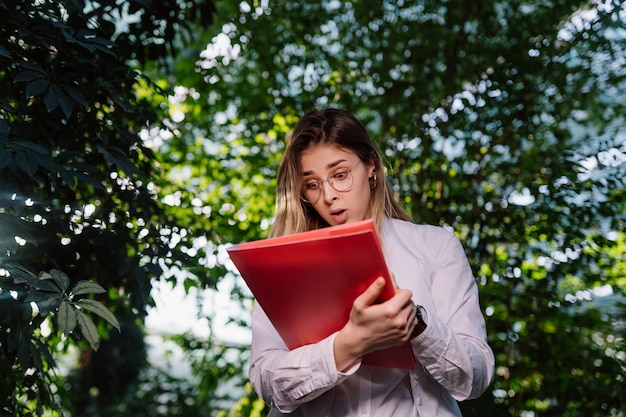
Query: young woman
[[331, 174]]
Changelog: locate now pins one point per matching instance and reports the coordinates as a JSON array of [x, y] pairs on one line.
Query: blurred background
[[138, 139]]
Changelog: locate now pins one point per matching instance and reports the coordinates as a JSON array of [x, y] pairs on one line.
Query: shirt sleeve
[[453, 348], [285, 379]]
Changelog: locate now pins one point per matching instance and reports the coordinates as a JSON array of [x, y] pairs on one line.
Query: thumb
[[369, 296]]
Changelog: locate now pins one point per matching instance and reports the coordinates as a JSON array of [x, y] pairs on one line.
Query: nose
[[329, 192]]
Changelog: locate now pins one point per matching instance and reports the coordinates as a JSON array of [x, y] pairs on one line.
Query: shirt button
[[364, 410]]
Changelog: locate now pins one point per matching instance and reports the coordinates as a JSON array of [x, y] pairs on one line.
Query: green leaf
[[33, 147], [89, 180], [23, 351], [68, 177], [66, 105], [99, 309], [20, 274], [28, 75], [49, 304], [67, 317], [36, 296], [51, 99], [119, 159], [87, 45], [87, 287], [46, 162], [76, 94], [32, 67], [36, 356], [88, 329], [47, 285], [36, 88], [4, 131], [26, 164], [85, 167], [5, 52], [60, 278], [5, 158], [43, 348], [68, 36], [7, 283]]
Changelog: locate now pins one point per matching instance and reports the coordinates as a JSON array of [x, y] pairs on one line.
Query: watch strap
[[421, 323]]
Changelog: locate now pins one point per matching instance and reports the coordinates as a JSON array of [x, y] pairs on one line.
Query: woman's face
[[323, 164]]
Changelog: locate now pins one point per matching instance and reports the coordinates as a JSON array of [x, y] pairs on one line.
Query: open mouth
[[339, 215]]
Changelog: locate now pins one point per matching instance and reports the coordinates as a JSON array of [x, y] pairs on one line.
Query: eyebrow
[[328, 166]]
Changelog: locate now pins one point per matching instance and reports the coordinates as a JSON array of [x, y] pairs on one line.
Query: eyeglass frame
[[329, 181]]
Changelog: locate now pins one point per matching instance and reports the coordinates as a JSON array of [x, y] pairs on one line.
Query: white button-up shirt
[[454, 361]]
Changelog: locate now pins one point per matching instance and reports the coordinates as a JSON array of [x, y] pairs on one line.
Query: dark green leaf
[[33, 146], [37, 362], [4, 131], [81, 166], [20, 274], [51, 99], [23, 351], [49, 304], [67, 317], [89, 180], [5, 158], [5, 52], [36, 296], [66, 105], [90, 47], [99, 309], [68, 177], [45, 351], [102, 41], [33, 67], [7, 283], [68, 36], [28, 75], [36, 88], [87, 287], [46, 161], [88, 329], [44, 283], [26, 164], [60, 278], [76, 94]]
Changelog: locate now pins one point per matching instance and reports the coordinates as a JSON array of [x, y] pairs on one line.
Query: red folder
[[306, 283]]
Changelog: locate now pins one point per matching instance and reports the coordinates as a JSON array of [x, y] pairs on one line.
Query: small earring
[[373, 181]]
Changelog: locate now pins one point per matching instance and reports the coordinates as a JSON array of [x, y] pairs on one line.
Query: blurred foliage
[[502, 121], [135, 145], [78, 190]]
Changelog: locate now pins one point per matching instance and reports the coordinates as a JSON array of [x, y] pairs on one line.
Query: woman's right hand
[[374, 326]]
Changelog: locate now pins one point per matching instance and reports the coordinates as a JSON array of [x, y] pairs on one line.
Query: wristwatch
[[421, 323]]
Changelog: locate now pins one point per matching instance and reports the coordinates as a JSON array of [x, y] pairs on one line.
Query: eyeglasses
[[340, 180]]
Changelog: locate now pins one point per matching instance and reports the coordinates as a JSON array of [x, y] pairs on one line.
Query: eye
[[340, 176], [312, 185]]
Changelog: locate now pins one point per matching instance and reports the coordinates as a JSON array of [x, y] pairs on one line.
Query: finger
[[398, 307], [412, 313], [402, 300], [369, 296]]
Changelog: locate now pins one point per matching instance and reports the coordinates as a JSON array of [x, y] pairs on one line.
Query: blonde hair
[[342, 129]]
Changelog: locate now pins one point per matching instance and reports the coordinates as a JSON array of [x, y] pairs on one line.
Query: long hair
[[327, 126]]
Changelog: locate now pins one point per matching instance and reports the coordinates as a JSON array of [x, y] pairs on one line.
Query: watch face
[[418, 312]]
